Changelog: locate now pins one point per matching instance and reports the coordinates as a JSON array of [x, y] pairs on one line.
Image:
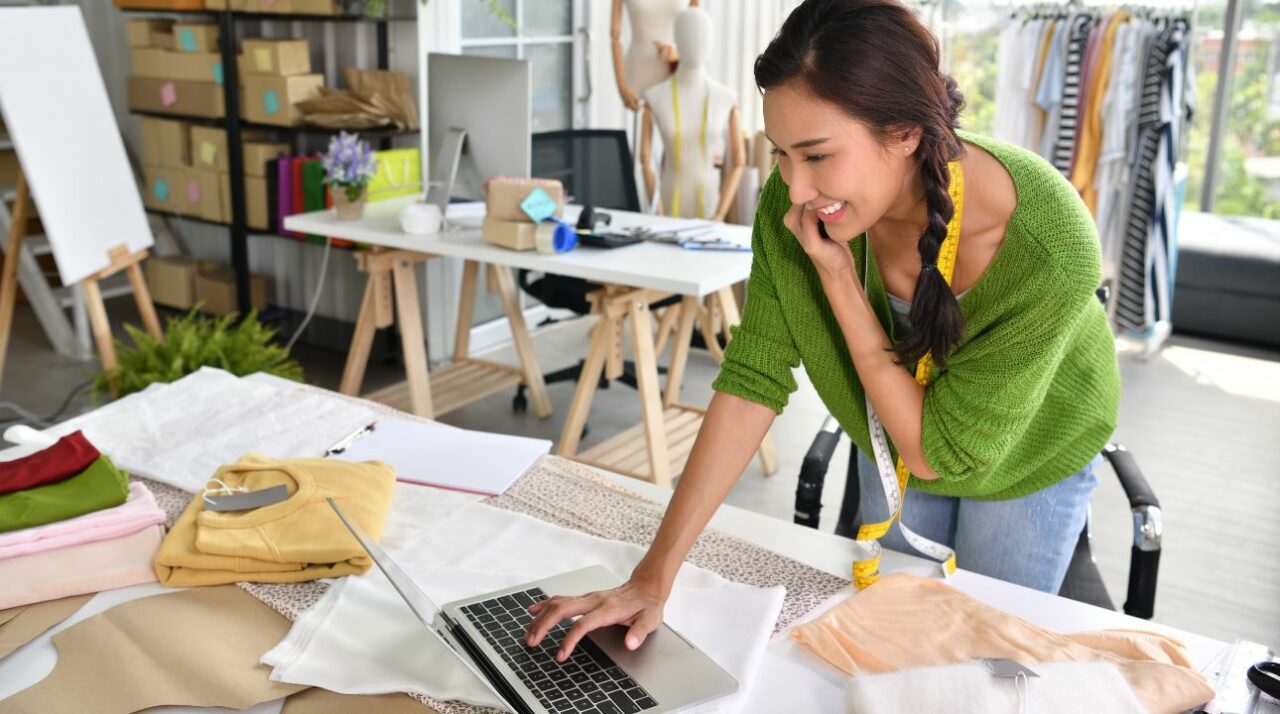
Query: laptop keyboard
[[589, 682]]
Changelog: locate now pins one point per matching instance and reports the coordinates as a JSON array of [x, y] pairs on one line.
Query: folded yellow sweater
[[297, 539]]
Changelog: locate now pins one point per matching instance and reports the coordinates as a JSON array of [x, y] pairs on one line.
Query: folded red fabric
[[71, 455]]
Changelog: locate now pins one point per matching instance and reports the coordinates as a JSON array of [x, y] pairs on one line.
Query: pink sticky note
[[193, 191], [168, 94]]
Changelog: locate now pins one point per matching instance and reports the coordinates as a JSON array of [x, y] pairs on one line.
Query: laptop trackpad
[[659, 646]]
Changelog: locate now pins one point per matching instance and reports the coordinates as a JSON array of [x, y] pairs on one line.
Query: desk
[[789, 679], [633, 277]]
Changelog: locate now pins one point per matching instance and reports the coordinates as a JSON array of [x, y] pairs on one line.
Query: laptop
[[486, 633]]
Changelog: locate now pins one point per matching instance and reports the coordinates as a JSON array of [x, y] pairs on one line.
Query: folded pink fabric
[[80, 569], [136, 513]]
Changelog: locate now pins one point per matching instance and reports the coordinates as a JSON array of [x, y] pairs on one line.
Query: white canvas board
[[59, 117]]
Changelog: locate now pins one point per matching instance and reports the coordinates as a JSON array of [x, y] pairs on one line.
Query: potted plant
[[349, 166], [192, 341]]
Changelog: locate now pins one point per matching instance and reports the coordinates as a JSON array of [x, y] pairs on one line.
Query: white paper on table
[[447, 457], [180, 433], [358, 642]]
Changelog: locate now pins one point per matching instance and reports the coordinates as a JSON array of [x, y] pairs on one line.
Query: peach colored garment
[[907, 621]]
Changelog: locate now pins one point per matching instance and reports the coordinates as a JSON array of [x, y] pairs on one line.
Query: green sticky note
[[208, 153], [187, 40], [538, 205], [262, 58], [270, 102], [161, 190]]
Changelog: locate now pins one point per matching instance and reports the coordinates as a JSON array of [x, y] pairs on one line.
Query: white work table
[[631, 279], [652, 266], [790, 678]]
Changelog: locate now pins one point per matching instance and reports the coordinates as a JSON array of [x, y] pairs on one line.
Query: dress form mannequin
[[695, 116], [648, 59]]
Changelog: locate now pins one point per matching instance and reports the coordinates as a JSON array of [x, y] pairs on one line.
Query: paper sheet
[[180, 433], [447, 457]]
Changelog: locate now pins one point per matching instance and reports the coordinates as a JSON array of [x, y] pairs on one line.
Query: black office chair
[[596, 169], [1083, 582]]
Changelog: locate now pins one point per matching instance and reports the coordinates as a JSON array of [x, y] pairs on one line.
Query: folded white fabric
[[362, 638], [1061, 688]]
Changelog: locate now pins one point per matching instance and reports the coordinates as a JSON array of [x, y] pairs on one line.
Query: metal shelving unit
[[227, 21]]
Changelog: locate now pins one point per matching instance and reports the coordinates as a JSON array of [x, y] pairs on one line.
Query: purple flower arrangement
[[349, 164]]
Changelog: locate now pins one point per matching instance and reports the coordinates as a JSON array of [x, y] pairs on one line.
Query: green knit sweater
[[1029, 396]]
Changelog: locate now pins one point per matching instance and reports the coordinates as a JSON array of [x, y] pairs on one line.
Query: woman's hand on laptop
[[636, 604]]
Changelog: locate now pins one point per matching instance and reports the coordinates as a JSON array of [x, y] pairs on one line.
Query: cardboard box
[[238, 5], [160, 4], [165, 143], [276, 6], [279, 58], [503, 197], [176, 96], [199, 38], [167, 64], [256, 156], [255, 203], [315, 7], [516, 235], [270, 100], [172, 280], [201, 194], [139, 31], [163, 40], [162, 188], [173, 96], [209, 148], [216, 288]]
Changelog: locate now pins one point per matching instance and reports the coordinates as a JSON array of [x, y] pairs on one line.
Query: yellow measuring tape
[[675, 150], [894, 480]]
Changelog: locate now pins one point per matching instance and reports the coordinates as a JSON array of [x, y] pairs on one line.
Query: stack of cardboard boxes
[[186, 171], [176, 69], [506, 223], [274, 74]]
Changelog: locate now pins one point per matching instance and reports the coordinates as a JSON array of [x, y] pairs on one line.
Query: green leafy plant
[[193, 341]]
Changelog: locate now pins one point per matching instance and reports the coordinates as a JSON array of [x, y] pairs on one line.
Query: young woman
[[856, 278]]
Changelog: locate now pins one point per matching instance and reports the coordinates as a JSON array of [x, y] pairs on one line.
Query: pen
[[349, 439]]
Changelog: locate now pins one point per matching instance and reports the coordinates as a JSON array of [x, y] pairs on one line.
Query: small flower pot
[[347, 208]]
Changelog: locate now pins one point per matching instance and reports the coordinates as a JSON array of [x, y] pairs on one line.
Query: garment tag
[[1001, 667], [247, 501], [538, 205]]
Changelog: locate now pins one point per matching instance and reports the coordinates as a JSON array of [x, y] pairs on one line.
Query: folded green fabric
[[100, 486]]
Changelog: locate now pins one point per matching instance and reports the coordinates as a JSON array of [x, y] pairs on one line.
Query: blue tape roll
[[566, 238]]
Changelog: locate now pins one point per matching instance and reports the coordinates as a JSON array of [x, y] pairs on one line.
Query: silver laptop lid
[[421, 605]]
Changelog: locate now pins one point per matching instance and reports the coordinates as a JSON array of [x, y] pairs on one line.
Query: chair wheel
[[520, 403]]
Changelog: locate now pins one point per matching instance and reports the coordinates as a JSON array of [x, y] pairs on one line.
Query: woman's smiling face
[[834, 164]]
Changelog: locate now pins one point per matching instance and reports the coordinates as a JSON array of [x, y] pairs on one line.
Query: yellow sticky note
[[262, 57], [208, 153]]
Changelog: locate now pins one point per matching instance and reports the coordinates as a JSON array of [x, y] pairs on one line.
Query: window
[[1249, 162], [545, 38]]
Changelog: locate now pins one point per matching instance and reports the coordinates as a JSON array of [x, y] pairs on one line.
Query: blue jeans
[[1027, 540]]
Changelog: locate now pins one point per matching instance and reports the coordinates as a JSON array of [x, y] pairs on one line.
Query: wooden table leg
[[651, 408], [533, 379], [729, 317], [409, 315], [9, 274], [688, 309], [706, 323], [466, 309], [361, 341], [588, 383], [665, 326]]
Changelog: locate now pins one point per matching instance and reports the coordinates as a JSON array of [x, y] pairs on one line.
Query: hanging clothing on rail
[[1105, 99]]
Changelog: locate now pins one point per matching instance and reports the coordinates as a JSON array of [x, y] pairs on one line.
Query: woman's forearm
[[898, 400], [730, 435]]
